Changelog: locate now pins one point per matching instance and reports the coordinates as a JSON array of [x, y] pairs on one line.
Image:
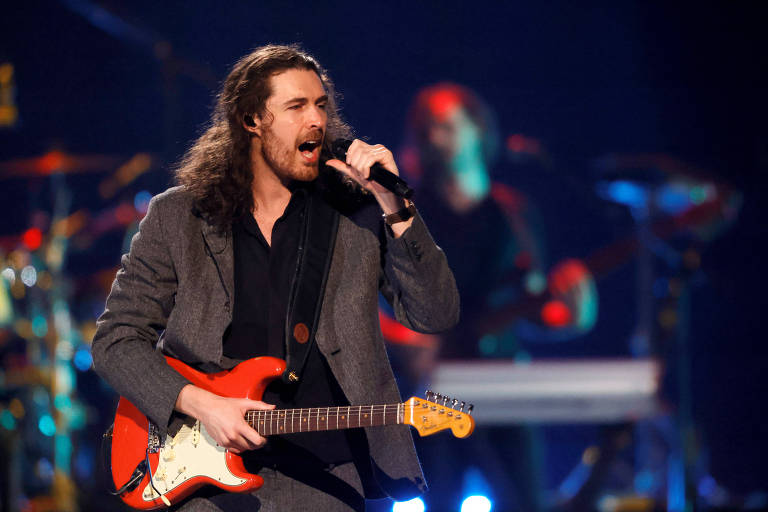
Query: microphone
[[379, 174]]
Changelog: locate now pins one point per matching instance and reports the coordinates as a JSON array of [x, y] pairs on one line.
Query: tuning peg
[[461, 409], [445, 400], [469, 409], [428, 394], [453, 403]]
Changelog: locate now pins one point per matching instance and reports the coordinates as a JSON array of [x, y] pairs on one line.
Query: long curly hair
[[216, 168]]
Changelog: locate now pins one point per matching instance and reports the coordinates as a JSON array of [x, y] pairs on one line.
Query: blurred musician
[[489, 232]]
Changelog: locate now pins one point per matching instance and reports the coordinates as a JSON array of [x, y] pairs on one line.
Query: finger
[[258, 404], [252, 439], [345, 169], [338, 165]]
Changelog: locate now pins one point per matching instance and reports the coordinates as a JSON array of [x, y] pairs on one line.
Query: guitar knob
[[462, 406], [469, 409], [453, 404]]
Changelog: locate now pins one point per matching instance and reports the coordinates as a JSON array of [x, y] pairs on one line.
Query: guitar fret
[[275, 422]]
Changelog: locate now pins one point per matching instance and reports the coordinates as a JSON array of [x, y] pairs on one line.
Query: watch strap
[[401, 215]]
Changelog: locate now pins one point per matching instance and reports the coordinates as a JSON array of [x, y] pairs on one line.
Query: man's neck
[[271, 194]]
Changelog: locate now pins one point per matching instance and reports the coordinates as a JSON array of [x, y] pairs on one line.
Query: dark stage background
[[119, 79]]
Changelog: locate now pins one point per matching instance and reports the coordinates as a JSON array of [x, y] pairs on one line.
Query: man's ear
[[252, 124]]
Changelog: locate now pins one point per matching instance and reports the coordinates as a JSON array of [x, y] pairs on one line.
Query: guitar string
[[254, 416]]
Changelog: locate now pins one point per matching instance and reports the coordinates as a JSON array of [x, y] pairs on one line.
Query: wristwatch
[[401, 215]]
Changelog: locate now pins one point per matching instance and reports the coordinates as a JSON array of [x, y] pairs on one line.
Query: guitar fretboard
[[288, 421]]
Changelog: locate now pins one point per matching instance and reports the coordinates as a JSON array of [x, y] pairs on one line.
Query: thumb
[[337, 164]]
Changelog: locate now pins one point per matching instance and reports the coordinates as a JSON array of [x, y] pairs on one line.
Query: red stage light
[[51, 161], [443, 102], [32, 238], [125, 214], [556, 314]]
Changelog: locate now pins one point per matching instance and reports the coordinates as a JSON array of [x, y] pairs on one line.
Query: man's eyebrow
[[301, 100]]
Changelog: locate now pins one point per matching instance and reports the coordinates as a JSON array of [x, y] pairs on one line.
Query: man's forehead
[[296, 83]]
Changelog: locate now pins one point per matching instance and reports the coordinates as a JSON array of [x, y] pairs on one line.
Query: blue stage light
[[476, 504], [624, 192], [46, 425], [83, 359], [414, 505], [141, 201]]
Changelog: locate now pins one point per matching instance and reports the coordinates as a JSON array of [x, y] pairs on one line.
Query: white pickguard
[[192, 452]]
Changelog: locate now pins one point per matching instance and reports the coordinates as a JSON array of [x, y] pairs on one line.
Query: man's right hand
[[223, 418]]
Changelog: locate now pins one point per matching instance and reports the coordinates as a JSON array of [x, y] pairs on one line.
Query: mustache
[[316, 134]]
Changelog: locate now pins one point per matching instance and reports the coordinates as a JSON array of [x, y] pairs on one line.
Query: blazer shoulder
[[174, 197], [173, 206]]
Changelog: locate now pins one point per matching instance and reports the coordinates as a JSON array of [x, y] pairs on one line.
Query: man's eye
[[322, 106], [294, 107]]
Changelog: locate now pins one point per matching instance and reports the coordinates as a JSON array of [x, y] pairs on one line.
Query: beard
[[282, 158]]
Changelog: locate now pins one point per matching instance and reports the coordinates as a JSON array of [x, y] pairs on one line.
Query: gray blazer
[[173, 295]]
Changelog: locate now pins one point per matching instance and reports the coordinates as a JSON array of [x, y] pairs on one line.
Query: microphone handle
[[379, 173], [390, 181]]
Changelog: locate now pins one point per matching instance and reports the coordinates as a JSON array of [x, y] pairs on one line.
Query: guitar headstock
[[438, 412]]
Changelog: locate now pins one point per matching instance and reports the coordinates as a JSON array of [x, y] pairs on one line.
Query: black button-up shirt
[[263, 280]]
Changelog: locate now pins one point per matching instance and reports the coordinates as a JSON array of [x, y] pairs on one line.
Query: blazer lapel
[[219, 247]]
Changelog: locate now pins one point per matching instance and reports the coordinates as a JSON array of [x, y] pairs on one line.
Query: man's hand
[[223, 418], [360, 159]]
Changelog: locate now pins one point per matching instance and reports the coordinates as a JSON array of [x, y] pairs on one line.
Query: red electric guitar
[[152, 473]]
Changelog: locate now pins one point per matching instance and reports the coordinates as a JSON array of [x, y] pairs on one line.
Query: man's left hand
[[360, 159]]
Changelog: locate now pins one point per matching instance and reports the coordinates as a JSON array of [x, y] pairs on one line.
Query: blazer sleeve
[[417, 281], [138, 306]]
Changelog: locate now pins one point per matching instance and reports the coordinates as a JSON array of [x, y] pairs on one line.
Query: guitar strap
[[313, 263]]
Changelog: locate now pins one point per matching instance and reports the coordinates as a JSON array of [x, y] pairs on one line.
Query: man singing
[[222, 262]]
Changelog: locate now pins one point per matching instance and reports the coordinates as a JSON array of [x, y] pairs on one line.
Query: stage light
[[39, 326], [83, 359], [141, 201], [62, 402], [414, 505], [32, 238], [29, 275], [476, 503], [46, 425], [623, 192], [7, 420], [556, 314], [9, 275]]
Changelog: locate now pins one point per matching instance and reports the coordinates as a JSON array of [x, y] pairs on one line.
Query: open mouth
[[310, 150]]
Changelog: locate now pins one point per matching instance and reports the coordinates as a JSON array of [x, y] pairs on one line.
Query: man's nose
[[316, 117]]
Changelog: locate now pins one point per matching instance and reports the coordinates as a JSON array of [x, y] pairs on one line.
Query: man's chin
[[307, 172]]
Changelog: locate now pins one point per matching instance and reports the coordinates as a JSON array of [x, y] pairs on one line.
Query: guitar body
[[188, 457]]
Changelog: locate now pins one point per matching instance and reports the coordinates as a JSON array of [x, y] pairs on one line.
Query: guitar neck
[[288, 421]]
